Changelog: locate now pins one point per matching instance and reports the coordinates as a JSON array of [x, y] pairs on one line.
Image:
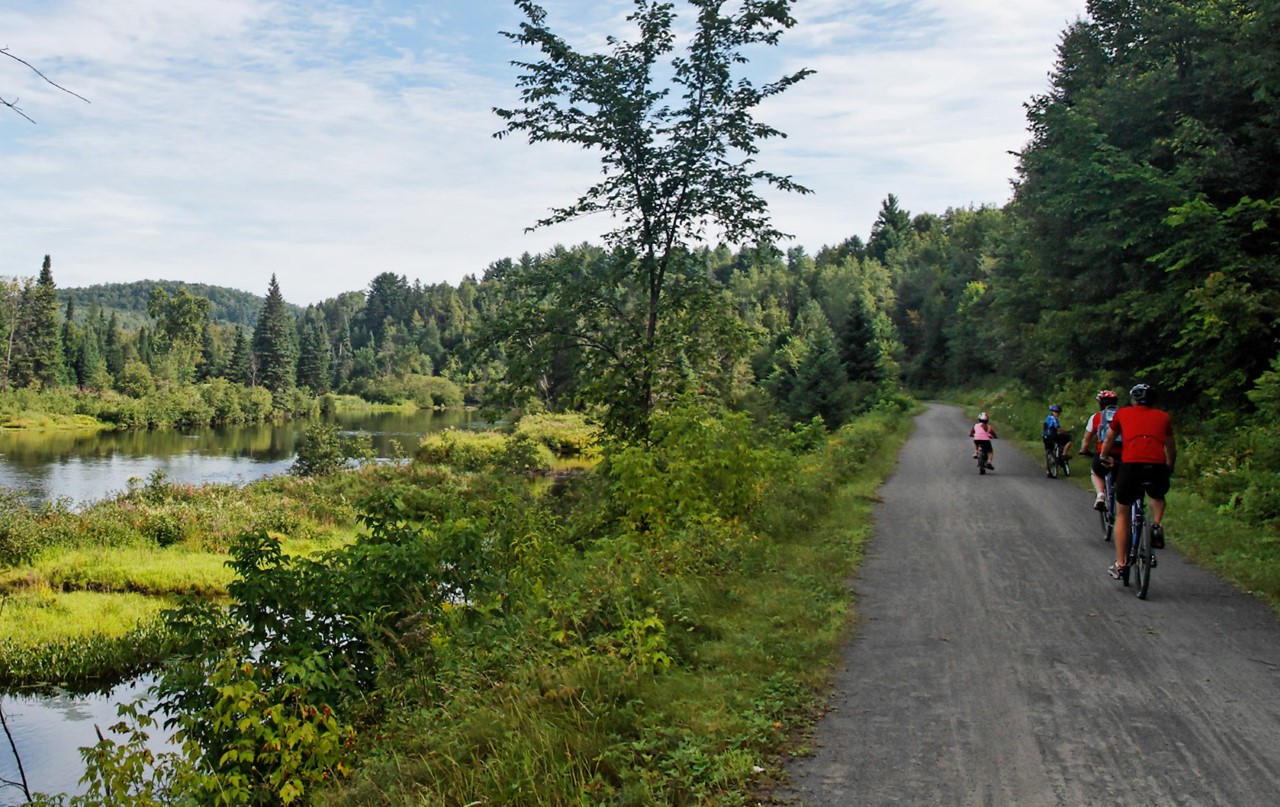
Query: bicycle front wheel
[[1050, 464], [1143, 560], [1066, 465]]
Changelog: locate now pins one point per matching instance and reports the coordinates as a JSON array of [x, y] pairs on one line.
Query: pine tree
[[38, 350], [238, 370], [314, 356], [275, 342]]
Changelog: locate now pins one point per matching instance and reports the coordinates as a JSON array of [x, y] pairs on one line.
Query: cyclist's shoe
[[1157, 536], [1153, 560], [990, 467], [1117, 571], [1100, 503], [975, 455]]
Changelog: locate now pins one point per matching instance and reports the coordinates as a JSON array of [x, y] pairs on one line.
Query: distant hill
[[129, 302]]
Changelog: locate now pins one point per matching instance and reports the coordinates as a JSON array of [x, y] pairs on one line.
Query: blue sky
[[328, 141]]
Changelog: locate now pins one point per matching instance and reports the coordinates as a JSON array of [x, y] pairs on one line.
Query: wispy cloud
[[329, 141]]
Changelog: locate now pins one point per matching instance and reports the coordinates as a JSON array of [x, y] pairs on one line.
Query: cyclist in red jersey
[[1147, 457], [1096, 429]]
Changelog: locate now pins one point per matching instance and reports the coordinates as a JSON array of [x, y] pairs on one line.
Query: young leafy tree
[[181, 319], [677, 144], [275, 342]]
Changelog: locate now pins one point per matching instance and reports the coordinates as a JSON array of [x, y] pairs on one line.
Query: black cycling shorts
[[1100, 468], [1133, 477], [983, 444]]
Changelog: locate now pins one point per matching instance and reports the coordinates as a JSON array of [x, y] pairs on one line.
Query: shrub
[[566, 435], [464, 450], [322, 450]]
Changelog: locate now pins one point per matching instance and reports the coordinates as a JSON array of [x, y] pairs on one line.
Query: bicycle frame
[[1140, 557]]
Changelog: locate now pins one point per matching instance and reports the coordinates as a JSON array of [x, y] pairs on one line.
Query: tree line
[[1140, 242]]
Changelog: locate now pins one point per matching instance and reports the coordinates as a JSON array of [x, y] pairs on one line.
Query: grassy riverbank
[[1207, 520], [656, 630]]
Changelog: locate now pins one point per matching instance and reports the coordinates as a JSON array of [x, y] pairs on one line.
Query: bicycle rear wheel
[[1142, 560]]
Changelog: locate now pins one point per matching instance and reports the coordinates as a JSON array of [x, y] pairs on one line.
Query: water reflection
[[49, 731], [88, 466]]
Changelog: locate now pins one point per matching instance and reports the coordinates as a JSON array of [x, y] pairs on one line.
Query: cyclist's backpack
[[1104, 423]]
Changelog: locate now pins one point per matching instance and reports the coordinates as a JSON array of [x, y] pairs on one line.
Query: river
[[79, 468]]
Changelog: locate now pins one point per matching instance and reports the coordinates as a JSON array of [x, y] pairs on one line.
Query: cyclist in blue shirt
[[1054, 433]]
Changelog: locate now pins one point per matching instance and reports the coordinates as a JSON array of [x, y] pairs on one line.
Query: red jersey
[[1145, 432]]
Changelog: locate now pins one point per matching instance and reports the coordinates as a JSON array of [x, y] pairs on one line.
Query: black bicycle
[[1108, 513], [1055, 459], [1142, 557], [984, 459]]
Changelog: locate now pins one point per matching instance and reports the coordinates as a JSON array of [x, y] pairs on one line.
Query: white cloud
[[329, 141]]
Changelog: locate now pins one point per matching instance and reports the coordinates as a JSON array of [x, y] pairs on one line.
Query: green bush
[[567, 434], [322, 450], [462, 449]]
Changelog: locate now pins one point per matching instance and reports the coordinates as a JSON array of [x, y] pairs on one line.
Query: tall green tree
[[678, 143], [314, 354], [275, 342], [37, 355], [181, 320]]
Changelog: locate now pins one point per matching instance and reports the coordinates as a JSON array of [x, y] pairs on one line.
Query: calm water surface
[[86, 467], [82, 468]]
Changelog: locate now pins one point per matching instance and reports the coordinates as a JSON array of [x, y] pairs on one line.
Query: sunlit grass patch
[[41, 616], [76, 638], [130, 569]]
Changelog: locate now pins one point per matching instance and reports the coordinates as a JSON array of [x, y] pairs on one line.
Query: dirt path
[[995, 663]]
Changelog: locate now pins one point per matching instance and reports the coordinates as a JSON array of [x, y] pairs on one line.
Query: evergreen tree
[[71, 345], [240, 369], [314, 355], [890, 229], [115, 349], [38, 355], [275, 342], [859, 343]]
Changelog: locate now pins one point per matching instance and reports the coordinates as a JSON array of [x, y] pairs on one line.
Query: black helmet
[[1142, 394]]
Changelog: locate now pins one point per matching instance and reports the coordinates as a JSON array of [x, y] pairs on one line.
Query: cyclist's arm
[[1170, 450]]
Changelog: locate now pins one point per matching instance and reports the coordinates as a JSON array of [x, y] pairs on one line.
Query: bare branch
[[14, 103]]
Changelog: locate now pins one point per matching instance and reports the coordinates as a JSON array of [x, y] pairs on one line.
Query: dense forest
[[1140, 242]]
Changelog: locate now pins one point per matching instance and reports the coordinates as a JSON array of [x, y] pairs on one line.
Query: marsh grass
[[76, 638]]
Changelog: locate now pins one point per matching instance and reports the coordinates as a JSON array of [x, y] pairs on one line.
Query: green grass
[[40, 616], [78, 638]]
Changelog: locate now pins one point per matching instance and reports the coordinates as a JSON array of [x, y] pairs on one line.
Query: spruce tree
[[38, 350], [275, 342]]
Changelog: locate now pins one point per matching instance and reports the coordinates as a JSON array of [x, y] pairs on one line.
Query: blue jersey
[[1051, 425]]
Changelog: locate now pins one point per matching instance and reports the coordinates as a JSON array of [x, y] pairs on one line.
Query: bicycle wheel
[[1050, 463], [1066, 464], [1142, 564], [982, 463]]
